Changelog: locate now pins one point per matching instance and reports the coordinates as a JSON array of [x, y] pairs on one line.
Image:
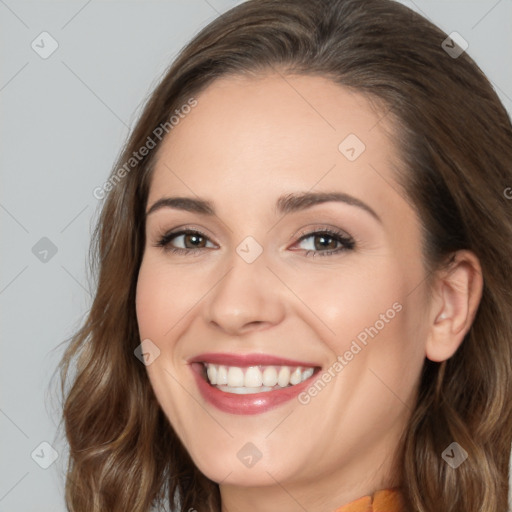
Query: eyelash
[[347, 242]]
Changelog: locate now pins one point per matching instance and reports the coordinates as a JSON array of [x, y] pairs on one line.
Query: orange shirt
[[385, 500]]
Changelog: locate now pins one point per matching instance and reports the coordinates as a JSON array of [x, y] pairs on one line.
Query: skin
[[247, 142]]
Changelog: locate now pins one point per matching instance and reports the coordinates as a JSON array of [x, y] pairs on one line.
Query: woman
[[304, 283]]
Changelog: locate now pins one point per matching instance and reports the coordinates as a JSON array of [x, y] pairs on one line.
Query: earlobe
[[458, 292]]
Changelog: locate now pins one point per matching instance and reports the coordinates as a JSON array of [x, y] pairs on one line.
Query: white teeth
[[307, 373], [283, 379], [295, 376], [255, 379], [235, 376], [212, 374], [244, 390], [270, 376], [222, 375]]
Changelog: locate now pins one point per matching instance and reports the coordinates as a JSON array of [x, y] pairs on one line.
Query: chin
[[242, 464]]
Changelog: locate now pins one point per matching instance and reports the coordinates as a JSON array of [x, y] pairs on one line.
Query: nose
[[248, 297]]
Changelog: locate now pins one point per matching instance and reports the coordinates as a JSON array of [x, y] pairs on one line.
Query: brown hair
[[455, 143]]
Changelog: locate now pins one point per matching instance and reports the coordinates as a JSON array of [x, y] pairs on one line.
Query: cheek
[[375, 340], [347, 302], [160, 303], [372, 317], [149, 301], [163, 297]]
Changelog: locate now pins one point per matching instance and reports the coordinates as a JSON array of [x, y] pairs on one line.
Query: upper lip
[[242, 360]]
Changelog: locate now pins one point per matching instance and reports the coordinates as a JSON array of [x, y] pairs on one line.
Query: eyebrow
[[285, 204]]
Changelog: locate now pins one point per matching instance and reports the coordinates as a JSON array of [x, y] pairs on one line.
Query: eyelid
[[187, 228], [321, 228]]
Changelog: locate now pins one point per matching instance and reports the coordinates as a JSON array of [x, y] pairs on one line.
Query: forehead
[[254, 136]]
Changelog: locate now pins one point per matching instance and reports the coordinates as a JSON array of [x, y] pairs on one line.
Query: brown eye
[[195, 239], [325, 242], [190, 241]]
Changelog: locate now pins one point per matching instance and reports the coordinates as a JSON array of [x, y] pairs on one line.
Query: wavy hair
[[454, 140]]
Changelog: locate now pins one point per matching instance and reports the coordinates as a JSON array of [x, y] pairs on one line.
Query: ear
[[456, 296]]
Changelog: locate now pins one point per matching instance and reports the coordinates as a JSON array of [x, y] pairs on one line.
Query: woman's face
[[261, 291]]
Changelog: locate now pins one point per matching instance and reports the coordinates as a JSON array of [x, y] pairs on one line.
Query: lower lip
[[254, 403]]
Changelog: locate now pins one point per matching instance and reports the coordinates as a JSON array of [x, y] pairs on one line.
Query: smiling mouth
[[254, 379]]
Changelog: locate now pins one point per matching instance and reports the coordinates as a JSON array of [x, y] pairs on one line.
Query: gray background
[[64, 120]]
